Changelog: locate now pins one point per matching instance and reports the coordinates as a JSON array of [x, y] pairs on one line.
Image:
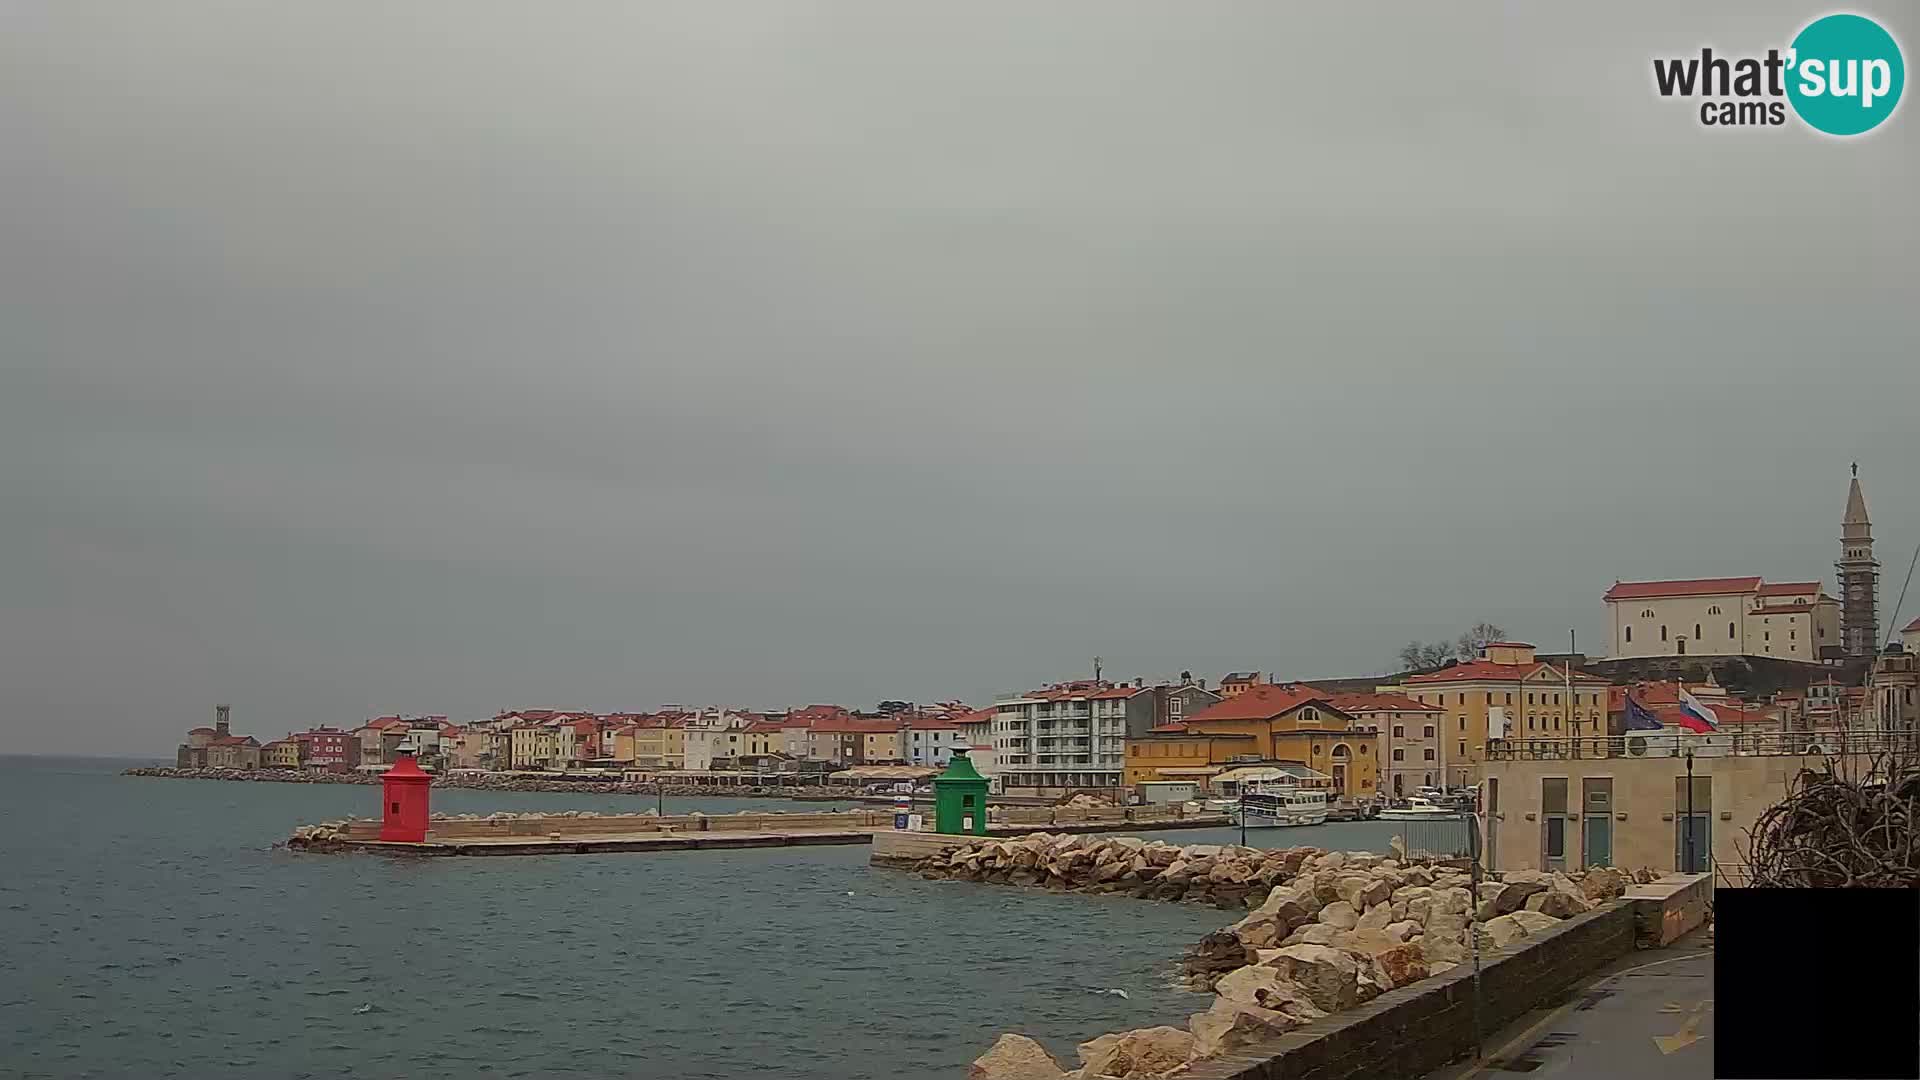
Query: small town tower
[[1858, 575]]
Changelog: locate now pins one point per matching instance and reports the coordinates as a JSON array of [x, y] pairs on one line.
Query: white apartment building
[[1065, 738], [1741, 616]]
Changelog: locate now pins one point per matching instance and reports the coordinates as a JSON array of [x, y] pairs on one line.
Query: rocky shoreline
[[1328, 930], [482, 782]]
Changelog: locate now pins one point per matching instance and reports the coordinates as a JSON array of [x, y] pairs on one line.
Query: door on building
[[1553, 823], [1693, 825], [1596, 822], [1682, 642]]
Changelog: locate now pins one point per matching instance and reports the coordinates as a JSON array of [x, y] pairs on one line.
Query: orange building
[[1266, 722]]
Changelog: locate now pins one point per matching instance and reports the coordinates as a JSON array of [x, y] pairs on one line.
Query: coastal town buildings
[[1504, 693], [1556, 804], [1235, 683], [1407, 738], [1739, 616], [1072, 736], [327, 749], [280, 754], [217, 747], [931, 741], [1267, 723]]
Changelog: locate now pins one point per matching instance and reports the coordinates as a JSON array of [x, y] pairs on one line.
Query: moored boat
[[1262, 806]]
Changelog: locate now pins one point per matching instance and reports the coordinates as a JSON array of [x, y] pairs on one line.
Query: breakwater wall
[[493, 782]]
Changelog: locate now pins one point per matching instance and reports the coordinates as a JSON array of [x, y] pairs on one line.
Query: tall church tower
[[1858, 573]]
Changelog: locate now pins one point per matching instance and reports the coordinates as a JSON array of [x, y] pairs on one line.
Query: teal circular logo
[[1845, 74]]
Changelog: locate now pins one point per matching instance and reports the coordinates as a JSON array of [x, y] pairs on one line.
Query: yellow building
[[1507, 693], [881, 746], [618, 745], [280, 754], [762, 737], [1263, 723], [535, 746], [659, 745]]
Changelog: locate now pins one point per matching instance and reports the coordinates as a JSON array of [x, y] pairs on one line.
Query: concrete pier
[[586, 834]]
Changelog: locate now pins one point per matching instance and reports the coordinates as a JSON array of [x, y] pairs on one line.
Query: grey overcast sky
[[455, 356]]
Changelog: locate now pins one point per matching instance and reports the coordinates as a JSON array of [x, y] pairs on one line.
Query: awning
[[1187, 770], [1249, 774]]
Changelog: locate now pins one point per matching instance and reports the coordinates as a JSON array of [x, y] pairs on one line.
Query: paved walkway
[[1650, 1019]]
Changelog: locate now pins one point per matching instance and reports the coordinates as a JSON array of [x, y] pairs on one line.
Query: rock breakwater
[[1328, 930]]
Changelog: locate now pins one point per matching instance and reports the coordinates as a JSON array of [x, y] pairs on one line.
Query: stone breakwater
[[1327, 931], [476, 782]]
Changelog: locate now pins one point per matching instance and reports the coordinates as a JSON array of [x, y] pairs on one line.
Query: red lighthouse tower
[[404, 791]]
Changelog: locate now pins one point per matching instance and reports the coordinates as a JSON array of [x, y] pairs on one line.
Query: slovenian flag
[[1697, 717], [1639, 719]]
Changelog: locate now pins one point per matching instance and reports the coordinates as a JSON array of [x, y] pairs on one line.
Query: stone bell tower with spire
[[1858, 573]]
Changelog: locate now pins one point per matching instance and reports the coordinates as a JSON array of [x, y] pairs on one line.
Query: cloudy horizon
[[474, 356]]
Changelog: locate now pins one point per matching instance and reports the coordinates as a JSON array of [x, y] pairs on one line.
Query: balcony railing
[[1664, 744]]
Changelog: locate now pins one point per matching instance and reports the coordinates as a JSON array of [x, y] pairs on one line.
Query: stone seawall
[[1329, 932]]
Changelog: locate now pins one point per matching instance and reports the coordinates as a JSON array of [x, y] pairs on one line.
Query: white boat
[[1419, 809], [1263, 806]]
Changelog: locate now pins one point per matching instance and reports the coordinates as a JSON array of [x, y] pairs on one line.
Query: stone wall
[[1415, 1030]]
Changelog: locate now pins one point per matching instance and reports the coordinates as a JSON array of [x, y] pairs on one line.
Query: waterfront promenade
[[585, 834]]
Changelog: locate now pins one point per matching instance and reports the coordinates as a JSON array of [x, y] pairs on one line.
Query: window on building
[[1529, 723], [1399, 731], [1766, 635], [1363, 749], [1463, 699], [1729, 631], [1429, 753], [1429, 732], [1629, 633], [1463, 723], [1463, 750], [1663, 632], [1399, 755], [1793, 635], [1646, 613], [1509, 699], [1696, 631], [1556, 699], [1714, 610]]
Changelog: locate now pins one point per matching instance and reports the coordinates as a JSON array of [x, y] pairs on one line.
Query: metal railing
[[1659, 744]]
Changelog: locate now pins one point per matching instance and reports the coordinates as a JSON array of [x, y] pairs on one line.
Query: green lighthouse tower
[[960, 798]]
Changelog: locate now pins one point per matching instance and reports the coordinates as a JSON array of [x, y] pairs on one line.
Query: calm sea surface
[[149, 928]]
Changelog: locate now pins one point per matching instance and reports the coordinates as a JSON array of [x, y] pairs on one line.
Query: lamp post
[[1686, 830], [1243, 815]]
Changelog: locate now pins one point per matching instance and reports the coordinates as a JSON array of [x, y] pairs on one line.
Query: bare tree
[[1468, 645], [1424, 655]]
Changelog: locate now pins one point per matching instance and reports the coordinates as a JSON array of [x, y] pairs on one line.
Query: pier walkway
[[596, 834]]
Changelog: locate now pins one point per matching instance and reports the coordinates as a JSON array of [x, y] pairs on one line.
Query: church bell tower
[[1858, 574]]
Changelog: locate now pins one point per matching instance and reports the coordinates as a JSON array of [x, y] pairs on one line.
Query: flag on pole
[[1638, 718], [1698, 717]]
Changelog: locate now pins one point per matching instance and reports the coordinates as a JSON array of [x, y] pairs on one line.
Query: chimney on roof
[[1138, 683], [222, 720]]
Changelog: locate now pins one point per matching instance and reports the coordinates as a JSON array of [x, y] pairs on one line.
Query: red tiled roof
[[855, 724], [1117, 692], [932, 723], [1652, 590], [202, 731], [233, 740], [1488, 671], [977, 716], [1789, 588], [1782, 609], [1262, 701], [1359, 703], [1912, 627], [764, 727]]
